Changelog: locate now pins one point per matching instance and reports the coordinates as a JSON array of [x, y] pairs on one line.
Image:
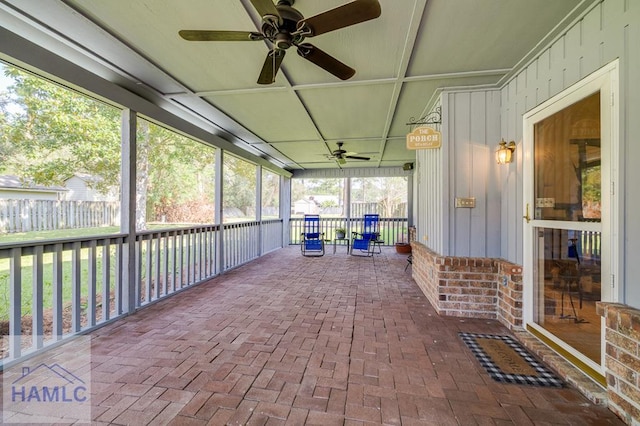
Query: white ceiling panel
[[402, 60], [351, 111], [475, 35], [396, 151], [305, 152], [274, 116]]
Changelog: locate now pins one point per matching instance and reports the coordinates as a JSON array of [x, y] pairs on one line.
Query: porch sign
[[424, 138]]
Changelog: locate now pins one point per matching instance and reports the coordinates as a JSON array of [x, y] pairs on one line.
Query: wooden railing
[[172, 259], [58, 288], [271, 235], [392, 230], [52, 290], [241, 243]]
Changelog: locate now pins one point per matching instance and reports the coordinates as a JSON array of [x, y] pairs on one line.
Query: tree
[[270, 193], [54, 132], [239, 185], [172, 170], [393, 194], [51, 132]]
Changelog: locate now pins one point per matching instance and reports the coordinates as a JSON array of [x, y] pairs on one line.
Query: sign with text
[[424, 138]]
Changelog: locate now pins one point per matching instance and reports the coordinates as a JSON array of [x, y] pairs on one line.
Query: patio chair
[[570, 273], [312, 239], [365, 241]]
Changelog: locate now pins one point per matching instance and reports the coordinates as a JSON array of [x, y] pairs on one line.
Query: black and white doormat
[[507, 361]]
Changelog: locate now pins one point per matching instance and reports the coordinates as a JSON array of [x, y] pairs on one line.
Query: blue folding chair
[[364, 242], [312, 239]]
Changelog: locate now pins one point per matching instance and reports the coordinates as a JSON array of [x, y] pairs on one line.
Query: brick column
[[622, 359]]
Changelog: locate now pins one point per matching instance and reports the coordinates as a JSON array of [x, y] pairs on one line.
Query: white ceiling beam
[[409, 45]]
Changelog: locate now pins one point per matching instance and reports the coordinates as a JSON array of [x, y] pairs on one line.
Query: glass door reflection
[[567, 211], [568, 279]]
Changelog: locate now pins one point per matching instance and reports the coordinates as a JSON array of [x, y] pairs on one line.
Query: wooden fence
[[395, 210], [48, 215]]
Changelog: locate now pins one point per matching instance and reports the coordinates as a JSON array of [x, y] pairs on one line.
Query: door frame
[[605, 80]]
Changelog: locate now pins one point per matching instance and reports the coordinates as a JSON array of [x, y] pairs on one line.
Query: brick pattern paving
[[289, 340]]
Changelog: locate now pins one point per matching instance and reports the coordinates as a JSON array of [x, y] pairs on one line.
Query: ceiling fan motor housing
[[280, 35]]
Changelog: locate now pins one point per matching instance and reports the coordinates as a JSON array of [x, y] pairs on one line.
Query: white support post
[[409, 201], [128, 208], [218, 219], [347, 205], [285, 209], [259, 207]]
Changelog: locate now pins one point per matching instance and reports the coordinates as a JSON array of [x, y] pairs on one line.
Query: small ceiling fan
[[285, 26], [341, 156]]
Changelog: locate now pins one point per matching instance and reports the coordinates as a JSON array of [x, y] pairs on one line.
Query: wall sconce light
[[504, 152]]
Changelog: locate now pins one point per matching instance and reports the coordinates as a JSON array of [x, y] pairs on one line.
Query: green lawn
[[47, 272], [47, 267], [22, 237]]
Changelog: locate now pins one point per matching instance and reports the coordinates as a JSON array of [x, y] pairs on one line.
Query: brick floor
[[289, 340]]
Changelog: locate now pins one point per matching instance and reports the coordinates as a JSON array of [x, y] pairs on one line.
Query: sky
[[4, 81]]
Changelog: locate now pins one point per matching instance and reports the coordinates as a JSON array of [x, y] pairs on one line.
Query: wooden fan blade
[[204, 35], [356, 157], [266, 8], [343, 16], [325, 61], [271, 66]]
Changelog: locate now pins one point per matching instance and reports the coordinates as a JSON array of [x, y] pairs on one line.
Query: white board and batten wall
[[475, 121], [464, 167], [609, 30]]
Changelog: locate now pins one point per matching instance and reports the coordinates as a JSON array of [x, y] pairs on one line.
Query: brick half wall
[[622, 359], [468, 286]]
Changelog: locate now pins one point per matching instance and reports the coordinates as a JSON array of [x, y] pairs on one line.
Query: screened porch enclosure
[[185, 210], [62, 287], [59, 288]]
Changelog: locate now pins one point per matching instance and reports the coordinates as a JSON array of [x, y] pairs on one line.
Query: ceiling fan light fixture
[[283, 41]]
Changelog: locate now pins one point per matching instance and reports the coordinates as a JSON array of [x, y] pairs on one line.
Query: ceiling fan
[[341, 156], [285, 26]]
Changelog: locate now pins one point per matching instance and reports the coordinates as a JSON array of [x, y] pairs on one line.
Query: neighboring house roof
[[15, 183], [91, 179]]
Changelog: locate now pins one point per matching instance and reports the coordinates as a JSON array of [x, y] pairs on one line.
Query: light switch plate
[[468, 202]]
